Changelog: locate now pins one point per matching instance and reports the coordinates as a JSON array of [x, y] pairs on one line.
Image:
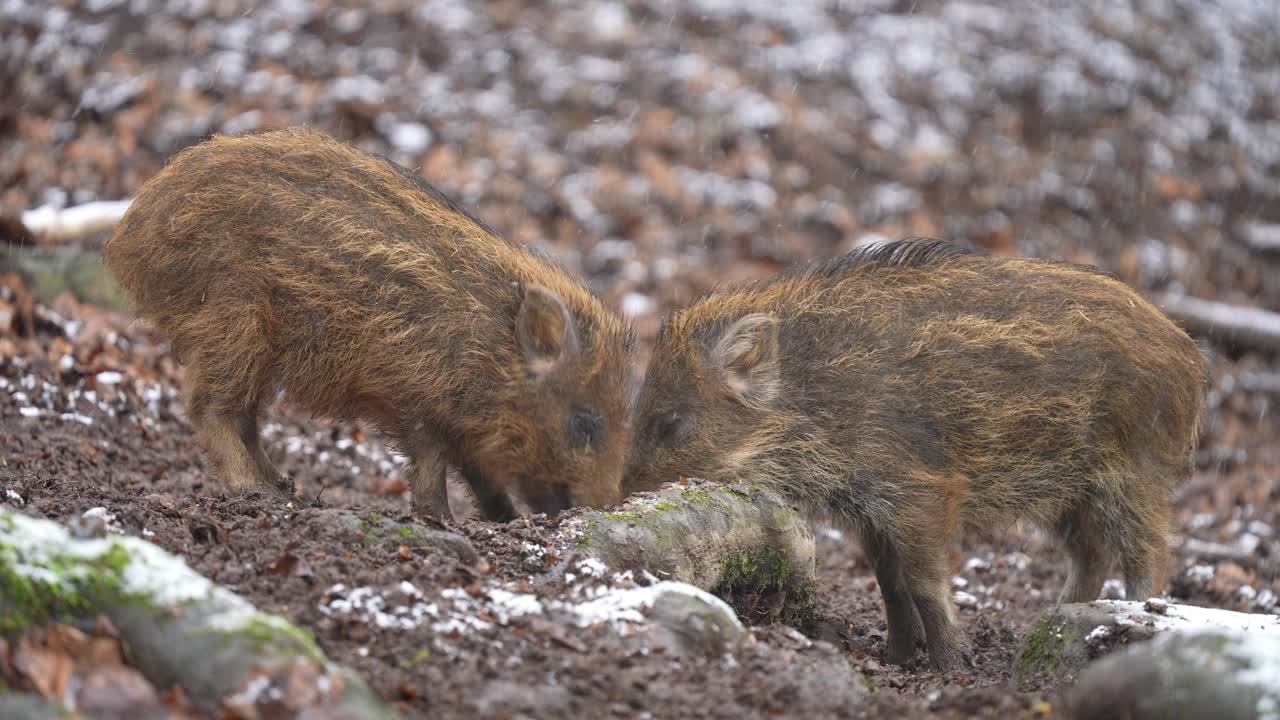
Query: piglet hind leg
[[234, 448], [904, 624], [1087, 546], [924, 571], [1138, 526]]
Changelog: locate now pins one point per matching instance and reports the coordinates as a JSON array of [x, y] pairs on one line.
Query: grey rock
[[1212, 672], [389, 531], [27, 706], [688, 623]]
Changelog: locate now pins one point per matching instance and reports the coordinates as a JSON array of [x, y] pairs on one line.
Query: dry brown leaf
[[65, 639], [114, 692], [48, 672]]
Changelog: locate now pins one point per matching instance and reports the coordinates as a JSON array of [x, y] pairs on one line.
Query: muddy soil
[[96, 422]]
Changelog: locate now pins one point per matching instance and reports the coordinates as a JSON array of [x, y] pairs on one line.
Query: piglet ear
[[545, 332], [747, 354]]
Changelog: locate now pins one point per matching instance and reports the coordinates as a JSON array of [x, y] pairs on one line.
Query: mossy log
[[181, 628], [740, 542]]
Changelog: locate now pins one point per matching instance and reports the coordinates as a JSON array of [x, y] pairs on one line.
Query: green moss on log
[[268, 635], [763, 571], [1047, 651], [63, 587]]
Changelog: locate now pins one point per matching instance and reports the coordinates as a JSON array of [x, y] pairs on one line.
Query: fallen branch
[[1255, 381], [1249, 327], [54, 225], [1263, 237]]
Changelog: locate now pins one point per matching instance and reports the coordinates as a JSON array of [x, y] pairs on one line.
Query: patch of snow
[[1184, 617], [108, 518], [409, 138], [108, 377], [732, 193], [244, 122], [636, 304], [361, 88], [508, 605], [1017, 560], [368, 605], [1200, 573], [14, 497], [460, 624], [1200, 521], [1113, 589], [628, 605], [1262, 236], [252, 692], [54, 220], [592, 567], [1097, 634], [533, 552]]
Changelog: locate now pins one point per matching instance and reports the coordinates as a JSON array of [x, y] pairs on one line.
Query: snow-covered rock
[[1068, 637], [1203, 671]]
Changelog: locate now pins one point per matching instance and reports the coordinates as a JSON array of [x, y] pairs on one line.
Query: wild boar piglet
[[913, 389], [289, 261]]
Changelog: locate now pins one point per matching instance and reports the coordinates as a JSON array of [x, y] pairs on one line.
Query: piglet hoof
[[900, 647], [899, 652], [432, 511], [498, 509], [949, 659]]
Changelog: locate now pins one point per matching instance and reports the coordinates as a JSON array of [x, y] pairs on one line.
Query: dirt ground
[[658, 148], [120, 443]]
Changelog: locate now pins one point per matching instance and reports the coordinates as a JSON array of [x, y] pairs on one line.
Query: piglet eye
[[668, 427], [585, 429]]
